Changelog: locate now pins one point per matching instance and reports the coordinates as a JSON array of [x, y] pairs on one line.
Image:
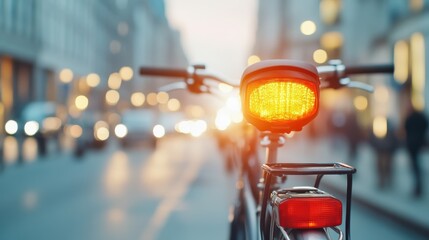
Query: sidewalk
[[397, 202]]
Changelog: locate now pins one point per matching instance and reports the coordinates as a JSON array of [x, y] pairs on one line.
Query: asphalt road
[[178, 191]]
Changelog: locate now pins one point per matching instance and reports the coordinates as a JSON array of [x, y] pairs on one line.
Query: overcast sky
[[218, 33]]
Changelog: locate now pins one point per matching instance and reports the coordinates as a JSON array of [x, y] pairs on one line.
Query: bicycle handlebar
[[164, 72], [368, 69], [335, 74]]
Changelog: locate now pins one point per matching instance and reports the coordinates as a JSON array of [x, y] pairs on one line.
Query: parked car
[[42, 120], [89, 130], [137, 124]]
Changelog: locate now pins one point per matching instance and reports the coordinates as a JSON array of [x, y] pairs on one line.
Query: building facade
[[357, 32], [49, 48]]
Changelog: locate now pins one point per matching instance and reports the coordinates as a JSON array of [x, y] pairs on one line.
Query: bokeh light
[[81, 102], [112, 97], [114, 81], [320, 56], [11, 127], [137, 99], [158, 131], [308, 27], [152, 99], [93, 80], [31, 128], [66, 75], [173, 105], [126, 73]]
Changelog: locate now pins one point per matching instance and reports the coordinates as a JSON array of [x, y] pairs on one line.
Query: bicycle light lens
[[280, 95], [310, 212], [281, 100]]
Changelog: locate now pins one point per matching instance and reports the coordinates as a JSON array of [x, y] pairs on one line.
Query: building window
[[330, 11], [410, 62], [416, 5], [417, 47], [332, 42]]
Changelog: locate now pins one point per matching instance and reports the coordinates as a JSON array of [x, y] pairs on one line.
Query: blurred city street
[[176, 191], [180, 190], [140, 119]]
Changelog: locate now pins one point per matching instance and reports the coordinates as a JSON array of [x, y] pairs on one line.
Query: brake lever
[[346, 82], [173, 86]]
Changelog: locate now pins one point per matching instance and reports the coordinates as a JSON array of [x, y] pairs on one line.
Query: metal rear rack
[[319, 169]]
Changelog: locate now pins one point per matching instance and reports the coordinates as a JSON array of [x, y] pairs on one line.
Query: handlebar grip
[[164, 72], [365, 69]]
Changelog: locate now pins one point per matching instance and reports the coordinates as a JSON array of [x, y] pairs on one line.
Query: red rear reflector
[[310, 212]]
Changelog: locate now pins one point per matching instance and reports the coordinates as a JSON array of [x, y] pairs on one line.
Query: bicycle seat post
[[272, 141]]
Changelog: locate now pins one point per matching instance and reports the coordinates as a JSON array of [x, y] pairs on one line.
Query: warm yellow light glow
[[31, 128], [360, 103], [51, 124], [101, 131], [418, 71], [173, 105], [308, 27], [183, 127], [11, 149], [158, 131], [81, 102], [331, 40], [112, 97], [281, 100], [126, 73], [162, 97], [329, 10], [223, 119], [381, 94], [121, 130], [195, 111], [11, 127], [401, 60], [117, 173], [66, 75], [93, 80], [252, 60], [82, 85], [225, 88], [379, 127], [75, 131], [198, 128], [416, 5], [137, 99], [152, 99], [114, 81], [320, 56]]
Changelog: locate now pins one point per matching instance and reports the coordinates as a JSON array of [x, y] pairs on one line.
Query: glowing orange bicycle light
[[280, 95]]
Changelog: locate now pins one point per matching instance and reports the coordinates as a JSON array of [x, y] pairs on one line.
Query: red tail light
[[310, 212]]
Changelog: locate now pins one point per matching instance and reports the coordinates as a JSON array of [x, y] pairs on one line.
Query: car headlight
[[11, 127], [31, 128], [121, 130], [158, 131]]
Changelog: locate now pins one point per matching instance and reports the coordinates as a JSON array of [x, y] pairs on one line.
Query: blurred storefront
[[357, 32], [58, 50]]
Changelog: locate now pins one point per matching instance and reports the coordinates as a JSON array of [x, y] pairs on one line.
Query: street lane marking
[[173, 199]]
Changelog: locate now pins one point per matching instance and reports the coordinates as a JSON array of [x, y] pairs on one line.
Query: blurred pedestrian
[[416, 125], [353, 134], [385, 146]]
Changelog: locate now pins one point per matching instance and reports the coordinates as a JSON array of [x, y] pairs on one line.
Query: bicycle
[[278, 97]]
